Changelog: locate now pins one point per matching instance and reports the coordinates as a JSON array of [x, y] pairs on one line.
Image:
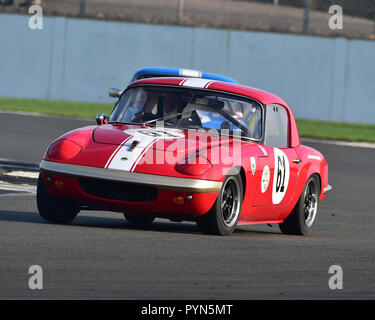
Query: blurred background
[[283, 46], [295, 16]]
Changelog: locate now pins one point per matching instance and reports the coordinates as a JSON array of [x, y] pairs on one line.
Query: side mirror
[[102, 118], [115, 93]]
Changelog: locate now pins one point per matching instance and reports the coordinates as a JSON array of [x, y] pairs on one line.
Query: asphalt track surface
[[100, 256]]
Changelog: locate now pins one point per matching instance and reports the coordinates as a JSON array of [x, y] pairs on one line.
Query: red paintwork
[[98, 143], [163, 206]]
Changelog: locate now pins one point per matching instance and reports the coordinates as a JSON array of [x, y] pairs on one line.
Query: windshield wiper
[[175, 115], [116, 122]]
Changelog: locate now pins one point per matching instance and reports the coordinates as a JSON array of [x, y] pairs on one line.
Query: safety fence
[[345, 18]]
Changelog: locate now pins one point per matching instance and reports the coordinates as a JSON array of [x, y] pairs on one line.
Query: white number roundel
[[266, 176], [280, 176], [157, 133]]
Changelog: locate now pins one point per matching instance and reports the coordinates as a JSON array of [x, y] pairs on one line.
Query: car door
[[279, 163]]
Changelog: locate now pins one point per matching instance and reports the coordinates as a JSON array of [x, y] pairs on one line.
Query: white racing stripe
[[125, 158], [142, 154], [190, 73], [196, 83], [114, 153]]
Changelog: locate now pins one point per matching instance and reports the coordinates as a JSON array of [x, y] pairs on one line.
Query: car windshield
[[189, 109]]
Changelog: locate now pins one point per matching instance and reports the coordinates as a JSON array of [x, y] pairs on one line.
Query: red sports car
[[217, 153]]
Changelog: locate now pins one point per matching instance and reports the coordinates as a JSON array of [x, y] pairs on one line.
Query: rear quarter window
[[276, 127]]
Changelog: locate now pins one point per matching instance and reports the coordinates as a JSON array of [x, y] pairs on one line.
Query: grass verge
[[336, 130], [307, 128], [59, 108]]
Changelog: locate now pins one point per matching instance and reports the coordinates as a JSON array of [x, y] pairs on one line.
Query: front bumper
[[160, 182], [199, 194]]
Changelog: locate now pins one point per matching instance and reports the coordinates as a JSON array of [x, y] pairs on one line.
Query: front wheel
[[302, 218], [54, 209], [223, 216]]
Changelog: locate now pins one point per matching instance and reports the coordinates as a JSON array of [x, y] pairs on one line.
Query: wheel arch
[[241, 172], [305, 175]]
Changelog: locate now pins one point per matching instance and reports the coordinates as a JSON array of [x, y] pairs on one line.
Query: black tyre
[[223, 217], [54, 209], [138, 220], [302, 218]]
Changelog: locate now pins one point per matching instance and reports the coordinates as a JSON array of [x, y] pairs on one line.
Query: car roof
[[262, 96], [175, 72]]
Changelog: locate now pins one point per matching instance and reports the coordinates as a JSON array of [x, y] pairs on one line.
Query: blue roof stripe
[[179, 72]]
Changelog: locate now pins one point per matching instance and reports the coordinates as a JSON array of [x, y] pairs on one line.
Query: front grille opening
[[118, 190]]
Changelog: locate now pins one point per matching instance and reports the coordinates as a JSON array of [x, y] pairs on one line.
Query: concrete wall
[[74, 59]]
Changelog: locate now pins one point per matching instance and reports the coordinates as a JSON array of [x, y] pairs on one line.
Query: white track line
[[340, 143], [17, 187], [42, 115], [17, 194], [22, 174]]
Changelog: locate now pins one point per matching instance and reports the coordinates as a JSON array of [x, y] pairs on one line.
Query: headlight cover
[[63, 149], [194, 166]]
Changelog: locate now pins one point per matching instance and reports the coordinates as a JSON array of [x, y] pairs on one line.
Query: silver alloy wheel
[[230, 202], [310, 203]]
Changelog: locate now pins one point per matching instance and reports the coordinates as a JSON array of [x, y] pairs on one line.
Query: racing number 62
[[280, 181], [280, 176]]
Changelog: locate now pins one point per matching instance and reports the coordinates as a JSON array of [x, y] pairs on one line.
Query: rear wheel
[[302, 218], [138, 220], [54, 209], [223, 216]]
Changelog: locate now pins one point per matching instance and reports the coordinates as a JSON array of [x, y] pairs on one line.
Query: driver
[[172, 104]]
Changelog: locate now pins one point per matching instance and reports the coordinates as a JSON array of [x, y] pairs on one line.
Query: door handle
[[297, 160]]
